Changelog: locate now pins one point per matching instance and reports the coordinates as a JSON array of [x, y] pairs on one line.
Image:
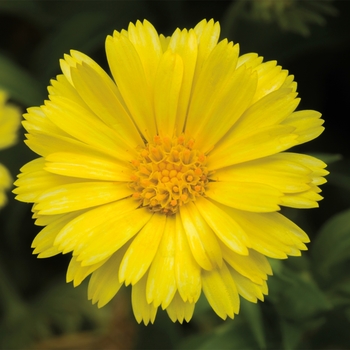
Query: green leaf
[[291, 334], [328, 158], [340, 180], [21, 86], [296, 296], [252, 314], [82, 31], [332, 244], [230, 335]]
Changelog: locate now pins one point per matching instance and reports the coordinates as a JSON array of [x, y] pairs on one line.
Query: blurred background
[[308, 306]]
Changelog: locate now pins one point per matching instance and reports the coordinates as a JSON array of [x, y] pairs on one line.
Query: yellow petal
[[184, 43], [104, 283], [161, 283], [201, 238], [179, 310], [143, 311], [221, 95], [36, 120], [271, 234], [248, 196], [145, 40], [80, 195], [250, 60], [166, 92], [45, 239], [308, 124], [269, 110], [254, 266], [142, 250], [78, 273], [258, 144], [229, 232], [45, 144], [221, 292], [306, 199], [61, 86], [33, 181], [248, 289], [207, 36], [83, 125], [103, 100], [187, 271], [270, 78], [87, 166], [284, 175], [98, 233], [130, 77]]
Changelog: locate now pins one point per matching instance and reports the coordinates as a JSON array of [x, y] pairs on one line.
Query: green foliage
[[19, 83]]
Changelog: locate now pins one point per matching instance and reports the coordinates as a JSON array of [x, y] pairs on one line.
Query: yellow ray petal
[[185, 44], [208, 33], [129, 74], [83, 125], [248, 196], [143, 311], [87, 166], [101, 231], [286, 176], [187, 271], [32, 183], [78, 273], [220, 97], [254, 266], [306, 199], [308, 124], [161, 283], [248, 289], [258, 144], [45, 239], [251, 60], [142, 250], [36, 120], [221, 291], [268, 111], [179, 310], [80, 195], [164, 42], [110, 236], [315, 165], [145, 40], [45, 144], [201, 238], [61, 86], [271, 234], [270, 78], [104, 283], [224, 226], [104, 102], [167, 89]]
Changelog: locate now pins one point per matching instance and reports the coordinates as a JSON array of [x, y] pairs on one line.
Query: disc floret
[[168, 173]]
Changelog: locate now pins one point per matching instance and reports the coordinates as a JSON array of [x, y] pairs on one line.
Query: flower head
[[170, 177], [9, 123]]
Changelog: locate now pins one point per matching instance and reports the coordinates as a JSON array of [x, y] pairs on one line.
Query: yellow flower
[[9, 123], [170, 177]]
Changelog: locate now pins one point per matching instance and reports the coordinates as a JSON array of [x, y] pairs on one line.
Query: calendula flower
[[9, 123], [169, 178]]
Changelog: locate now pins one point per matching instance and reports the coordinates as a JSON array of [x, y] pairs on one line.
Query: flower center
[[168, 173]]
